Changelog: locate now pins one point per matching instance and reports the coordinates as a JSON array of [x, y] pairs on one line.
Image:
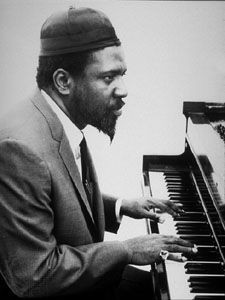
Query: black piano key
[[211, 297], [198, 229], [195, 224], [199, 239], [206, 254], [193, 196], [210, 286], [180, 189], [217, 280], [189, 206], [179, 184], [187, 224], [175, 176], [186, 192], [175, 173], [183, 193], [174, 187], [191, 224], [204, 268], [183, 179], [185, 199], [192, 231], [207, 289], [221, 239], [191, 216], [189, 203]]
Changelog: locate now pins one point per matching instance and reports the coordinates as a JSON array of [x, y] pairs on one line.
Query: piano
[[195, 178]]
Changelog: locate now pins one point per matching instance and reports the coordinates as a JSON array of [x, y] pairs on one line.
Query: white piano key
[[157, 184], [167, 227], [178, 282]]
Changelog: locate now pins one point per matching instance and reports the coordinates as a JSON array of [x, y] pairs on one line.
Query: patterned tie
[[85, 171]]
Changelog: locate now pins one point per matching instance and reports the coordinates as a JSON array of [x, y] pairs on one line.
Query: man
[[53, 216]]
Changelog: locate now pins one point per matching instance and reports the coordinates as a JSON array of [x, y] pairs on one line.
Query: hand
[[146, 249], [139, 208]]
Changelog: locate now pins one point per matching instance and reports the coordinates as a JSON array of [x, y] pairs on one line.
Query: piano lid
[[205, 134]]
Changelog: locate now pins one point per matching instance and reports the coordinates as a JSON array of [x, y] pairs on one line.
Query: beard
[[88, 107], [106, 124]]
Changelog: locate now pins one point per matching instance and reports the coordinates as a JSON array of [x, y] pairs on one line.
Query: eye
[[108, 78]]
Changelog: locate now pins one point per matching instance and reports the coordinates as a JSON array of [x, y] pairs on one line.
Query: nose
[[120, 88]]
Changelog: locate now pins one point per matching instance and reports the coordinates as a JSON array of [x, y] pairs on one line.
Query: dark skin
[[96, 99]]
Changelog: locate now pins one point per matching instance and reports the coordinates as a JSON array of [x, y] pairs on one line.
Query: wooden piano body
[[196, 178]]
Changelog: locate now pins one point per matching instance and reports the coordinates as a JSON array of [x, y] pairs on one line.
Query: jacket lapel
[[64, 149]]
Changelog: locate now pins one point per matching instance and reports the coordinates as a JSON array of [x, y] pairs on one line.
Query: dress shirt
[[75, 136]]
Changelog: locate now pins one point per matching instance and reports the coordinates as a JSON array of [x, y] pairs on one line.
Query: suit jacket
[[50, 239]]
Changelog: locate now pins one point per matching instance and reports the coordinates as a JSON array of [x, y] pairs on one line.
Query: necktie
[[85, 171]]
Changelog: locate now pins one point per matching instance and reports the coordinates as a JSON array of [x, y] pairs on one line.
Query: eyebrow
[[115, 71]]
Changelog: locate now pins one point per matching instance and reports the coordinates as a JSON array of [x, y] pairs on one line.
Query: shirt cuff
[[117, 208]]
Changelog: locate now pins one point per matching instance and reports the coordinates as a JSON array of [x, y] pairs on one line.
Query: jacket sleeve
[[111, 223], [31, 261]]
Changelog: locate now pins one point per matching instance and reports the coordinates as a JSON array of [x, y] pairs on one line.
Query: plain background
[[175, 52]]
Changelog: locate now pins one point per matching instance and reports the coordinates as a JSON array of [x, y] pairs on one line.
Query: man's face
[[96, 97]]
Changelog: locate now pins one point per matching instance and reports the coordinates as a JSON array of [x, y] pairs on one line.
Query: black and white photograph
[[112, 149]]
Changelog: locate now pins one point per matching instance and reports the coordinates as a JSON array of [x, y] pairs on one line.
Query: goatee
[[108, 125]]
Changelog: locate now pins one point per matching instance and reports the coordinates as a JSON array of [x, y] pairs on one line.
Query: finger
[[171, 239], [181, 249], [177, 257], [169, 207], [154, 217], [177, 207], [163, 206]]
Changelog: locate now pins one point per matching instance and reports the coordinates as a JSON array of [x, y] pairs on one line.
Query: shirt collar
[[73, 133]]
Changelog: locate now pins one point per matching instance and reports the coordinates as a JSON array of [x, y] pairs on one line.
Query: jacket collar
[[64, 149]]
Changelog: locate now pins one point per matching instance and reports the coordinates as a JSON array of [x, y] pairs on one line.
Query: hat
[[76, 30]]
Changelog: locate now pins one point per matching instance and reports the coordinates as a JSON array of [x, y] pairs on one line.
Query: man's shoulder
[[23, 122], [20, 115]]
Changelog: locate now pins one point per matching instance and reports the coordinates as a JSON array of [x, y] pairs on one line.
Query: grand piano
[[195, 178]]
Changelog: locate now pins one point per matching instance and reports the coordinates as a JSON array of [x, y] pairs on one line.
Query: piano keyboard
[[202, 277]]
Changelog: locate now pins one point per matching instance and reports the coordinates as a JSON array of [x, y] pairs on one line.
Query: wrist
[[124, 207], [128, 250]]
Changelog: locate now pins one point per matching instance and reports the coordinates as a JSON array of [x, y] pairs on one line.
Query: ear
[[62, 80]]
